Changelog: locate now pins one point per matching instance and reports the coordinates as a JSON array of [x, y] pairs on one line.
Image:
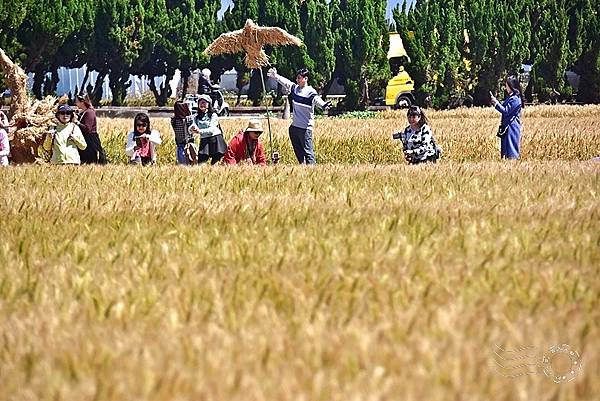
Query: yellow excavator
[[399, 92]]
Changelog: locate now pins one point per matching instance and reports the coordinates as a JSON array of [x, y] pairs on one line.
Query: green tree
[[361, 48], [123, 33], [42, 34], [12, 14], [549, 48], [461, 46], [315, 21], [587, 64], [507, 47], [182, 30]]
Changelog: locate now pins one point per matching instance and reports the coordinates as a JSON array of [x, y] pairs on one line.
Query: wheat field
[[465, 135], [360, 278]]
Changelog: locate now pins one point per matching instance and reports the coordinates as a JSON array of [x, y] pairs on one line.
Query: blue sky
[[391, 4]]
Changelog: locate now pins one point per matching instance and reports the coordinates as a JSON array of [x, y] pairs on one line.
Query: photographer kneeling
[[417, 139]]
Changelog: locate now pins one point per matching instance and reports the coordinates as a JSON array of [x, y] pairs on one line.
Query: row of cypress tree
[[461, 48], [457, 48], [152, 38]]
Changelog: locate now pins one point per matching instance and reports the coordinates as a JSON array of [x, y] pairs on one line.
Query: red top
[[238, 150], [87, 124]]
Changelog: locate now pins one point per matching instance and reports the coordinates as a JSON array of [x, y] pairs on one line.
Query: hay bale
[[17, 82], [29, 121]]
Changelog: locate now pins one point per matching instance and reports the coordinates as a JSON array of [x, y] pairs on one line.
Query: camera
[[397, 135]]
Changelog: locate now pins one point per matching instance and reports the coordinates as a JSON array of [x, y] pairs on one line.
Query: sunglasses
[[141, 125], [414, 114], [65, 113]]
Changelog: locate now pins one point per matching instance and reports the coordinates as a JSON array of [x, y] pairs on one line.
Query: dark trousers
[[94, 152], [430, 159], [144, 161], [213, 148], [302, 142], [215, 158]]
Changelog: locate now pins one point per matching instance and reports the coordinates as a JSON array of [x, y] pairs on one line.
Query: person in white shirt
[[142, 141]]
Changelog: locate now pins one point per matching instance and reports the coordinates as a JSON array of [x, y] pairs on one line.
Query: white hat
[[206, 98]]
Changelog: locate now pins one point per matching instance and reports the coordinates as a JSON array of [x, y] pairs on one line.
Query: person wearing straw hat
[[66, 139], [304, 98], [245, 148]]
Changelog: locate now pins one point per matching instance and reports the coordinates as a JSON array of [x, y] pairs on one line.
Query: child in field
[[66, 139], [142, 141], [417, 139], [4, 143]]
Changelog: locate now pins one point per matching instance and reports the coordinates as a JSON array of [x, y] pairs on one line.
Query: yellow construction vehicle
[[399, 92]]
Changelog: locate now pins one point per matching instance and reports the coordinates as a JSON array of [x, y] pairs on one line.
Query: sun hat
[[254, 125]]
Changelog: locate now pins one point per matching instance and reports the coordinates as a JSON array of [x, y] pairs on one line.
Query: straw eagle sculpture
[[251, 40]]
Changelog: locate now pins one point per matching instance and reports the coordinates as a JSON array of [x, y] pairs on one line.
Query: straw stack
[[29, 121]]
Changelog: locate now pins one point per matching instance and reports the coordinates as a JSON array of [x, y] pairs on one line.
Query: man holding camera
[[304, 98]]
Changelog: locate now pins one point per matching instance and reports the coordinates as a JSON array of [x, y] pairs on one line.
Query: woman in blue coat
[[510, 125]]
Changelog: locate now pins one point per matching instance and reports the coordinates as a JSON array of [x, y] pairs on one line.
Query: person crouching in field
[[417, 139], [4, 143], [142, 141], [245, 148], [510, 124], [206, 124], [65, 140], [181, 122]]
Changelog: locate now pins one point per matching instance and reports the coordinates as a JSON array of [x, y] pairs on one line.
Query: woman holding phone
[[510, 124]]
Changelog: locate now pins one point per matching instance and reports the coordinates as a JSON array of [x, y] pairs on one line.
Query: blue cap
[[64, 108]]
